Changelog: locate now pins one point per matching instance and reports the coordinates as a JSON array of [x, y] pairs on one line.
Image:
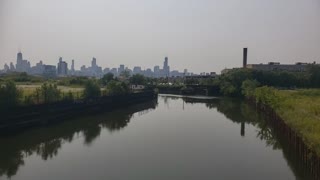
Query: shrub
[[91, 89], [47, 93], [9, 94], [117, 88]]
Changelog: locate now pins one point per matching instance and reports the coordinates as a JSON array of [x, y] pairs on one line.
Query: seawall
[[308, 160]]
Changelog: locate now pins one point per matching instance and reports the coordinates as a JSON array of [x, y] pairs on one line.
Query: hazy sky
[[200, 35]]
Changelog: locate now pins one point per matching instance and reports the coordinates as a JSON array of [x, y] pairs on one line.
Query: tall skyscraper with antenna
[[166, 67], [72, 66]]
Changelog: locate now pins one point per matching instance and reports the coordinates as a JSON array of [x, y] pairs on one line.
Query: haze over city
[[159, 89], [201, 36]]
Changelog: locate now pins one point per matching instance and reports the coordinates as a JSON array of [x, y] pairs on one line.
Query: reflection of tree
[[240, 112], [13, 159], [167, 98], [265, 133], [118, 121], [49, 149], [90, 134], [46, 142]]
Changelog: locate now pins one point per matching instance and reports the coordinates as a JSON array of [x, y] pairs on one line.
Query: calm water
[[173, 138]]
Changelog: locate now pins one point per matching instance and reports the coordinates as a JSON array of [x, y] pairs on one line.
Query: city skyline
[[73, 61], [63, 69], [198, 35]]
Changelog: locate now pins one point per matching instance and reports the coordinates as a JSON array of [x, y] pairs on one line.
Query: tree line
[[238, 82], [48, 92]]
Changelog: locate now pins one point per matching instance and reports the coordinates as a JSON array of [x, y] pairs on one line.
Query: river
[[171, 138]]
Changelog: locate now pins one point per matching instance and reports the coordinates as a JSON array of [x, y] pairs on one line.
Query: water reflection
[[46, 142], [242, 113], [237, 111]]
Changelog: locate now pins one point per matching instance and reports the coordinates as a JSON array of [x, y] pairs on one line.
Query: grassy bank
[[300, 109], [28, 90]]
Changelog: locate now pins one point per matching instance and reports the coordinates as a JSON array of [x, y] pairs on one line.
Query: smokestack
[[245, 56]]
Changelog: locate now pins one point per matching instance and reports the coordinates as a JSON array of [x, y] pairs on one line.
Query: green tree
[[22, 77], [68, 96], [47, 93], [267, 95], [248, 87], [9, 94], [230, 83], [117, 88], [91, 89], [107, 78], [228, 89], [137, 79], [314, 73]]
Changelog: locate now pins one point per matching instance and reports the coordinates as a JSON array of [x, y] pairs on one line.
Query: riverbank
[[296, 114], [20, 118], [204, 90]]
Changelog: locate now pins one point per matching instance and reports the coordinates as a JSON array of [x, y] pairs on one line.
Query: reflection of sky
[[200, 35]]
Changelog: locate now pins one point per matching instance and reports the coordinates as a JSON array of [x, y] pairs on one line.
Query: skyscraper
[[156, 71], [166, 67], [94, 62], [62, 67], [22, 65], [72, 66], [121, 68], [6, 68], [137, 70], [12, 68], [19, 57], [94, 70]]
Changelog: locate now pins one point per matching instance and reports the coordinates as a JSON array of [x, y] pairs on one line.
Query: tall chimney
[[245, 56]]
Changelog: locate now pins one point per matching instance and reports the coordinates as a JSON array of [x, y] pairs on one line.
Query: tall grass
[[300, 109], [29, 91]]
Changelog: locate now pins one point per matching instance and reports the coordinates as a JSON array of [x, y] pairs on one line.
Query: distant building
[[38, 69], [49, 71], [137, 70], [276, 66], [12, 68], [114, 71], [121, 69], [176, 73], [94, 62], [156, 71], [166, 67], [185, 72], [94, 70], [273, 66], [137, 87], [200, 77], [213, 74], [22, 65], [148, 72], [6, 68], [106, 70], [62, 69], [83, 68], [72, 67]]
